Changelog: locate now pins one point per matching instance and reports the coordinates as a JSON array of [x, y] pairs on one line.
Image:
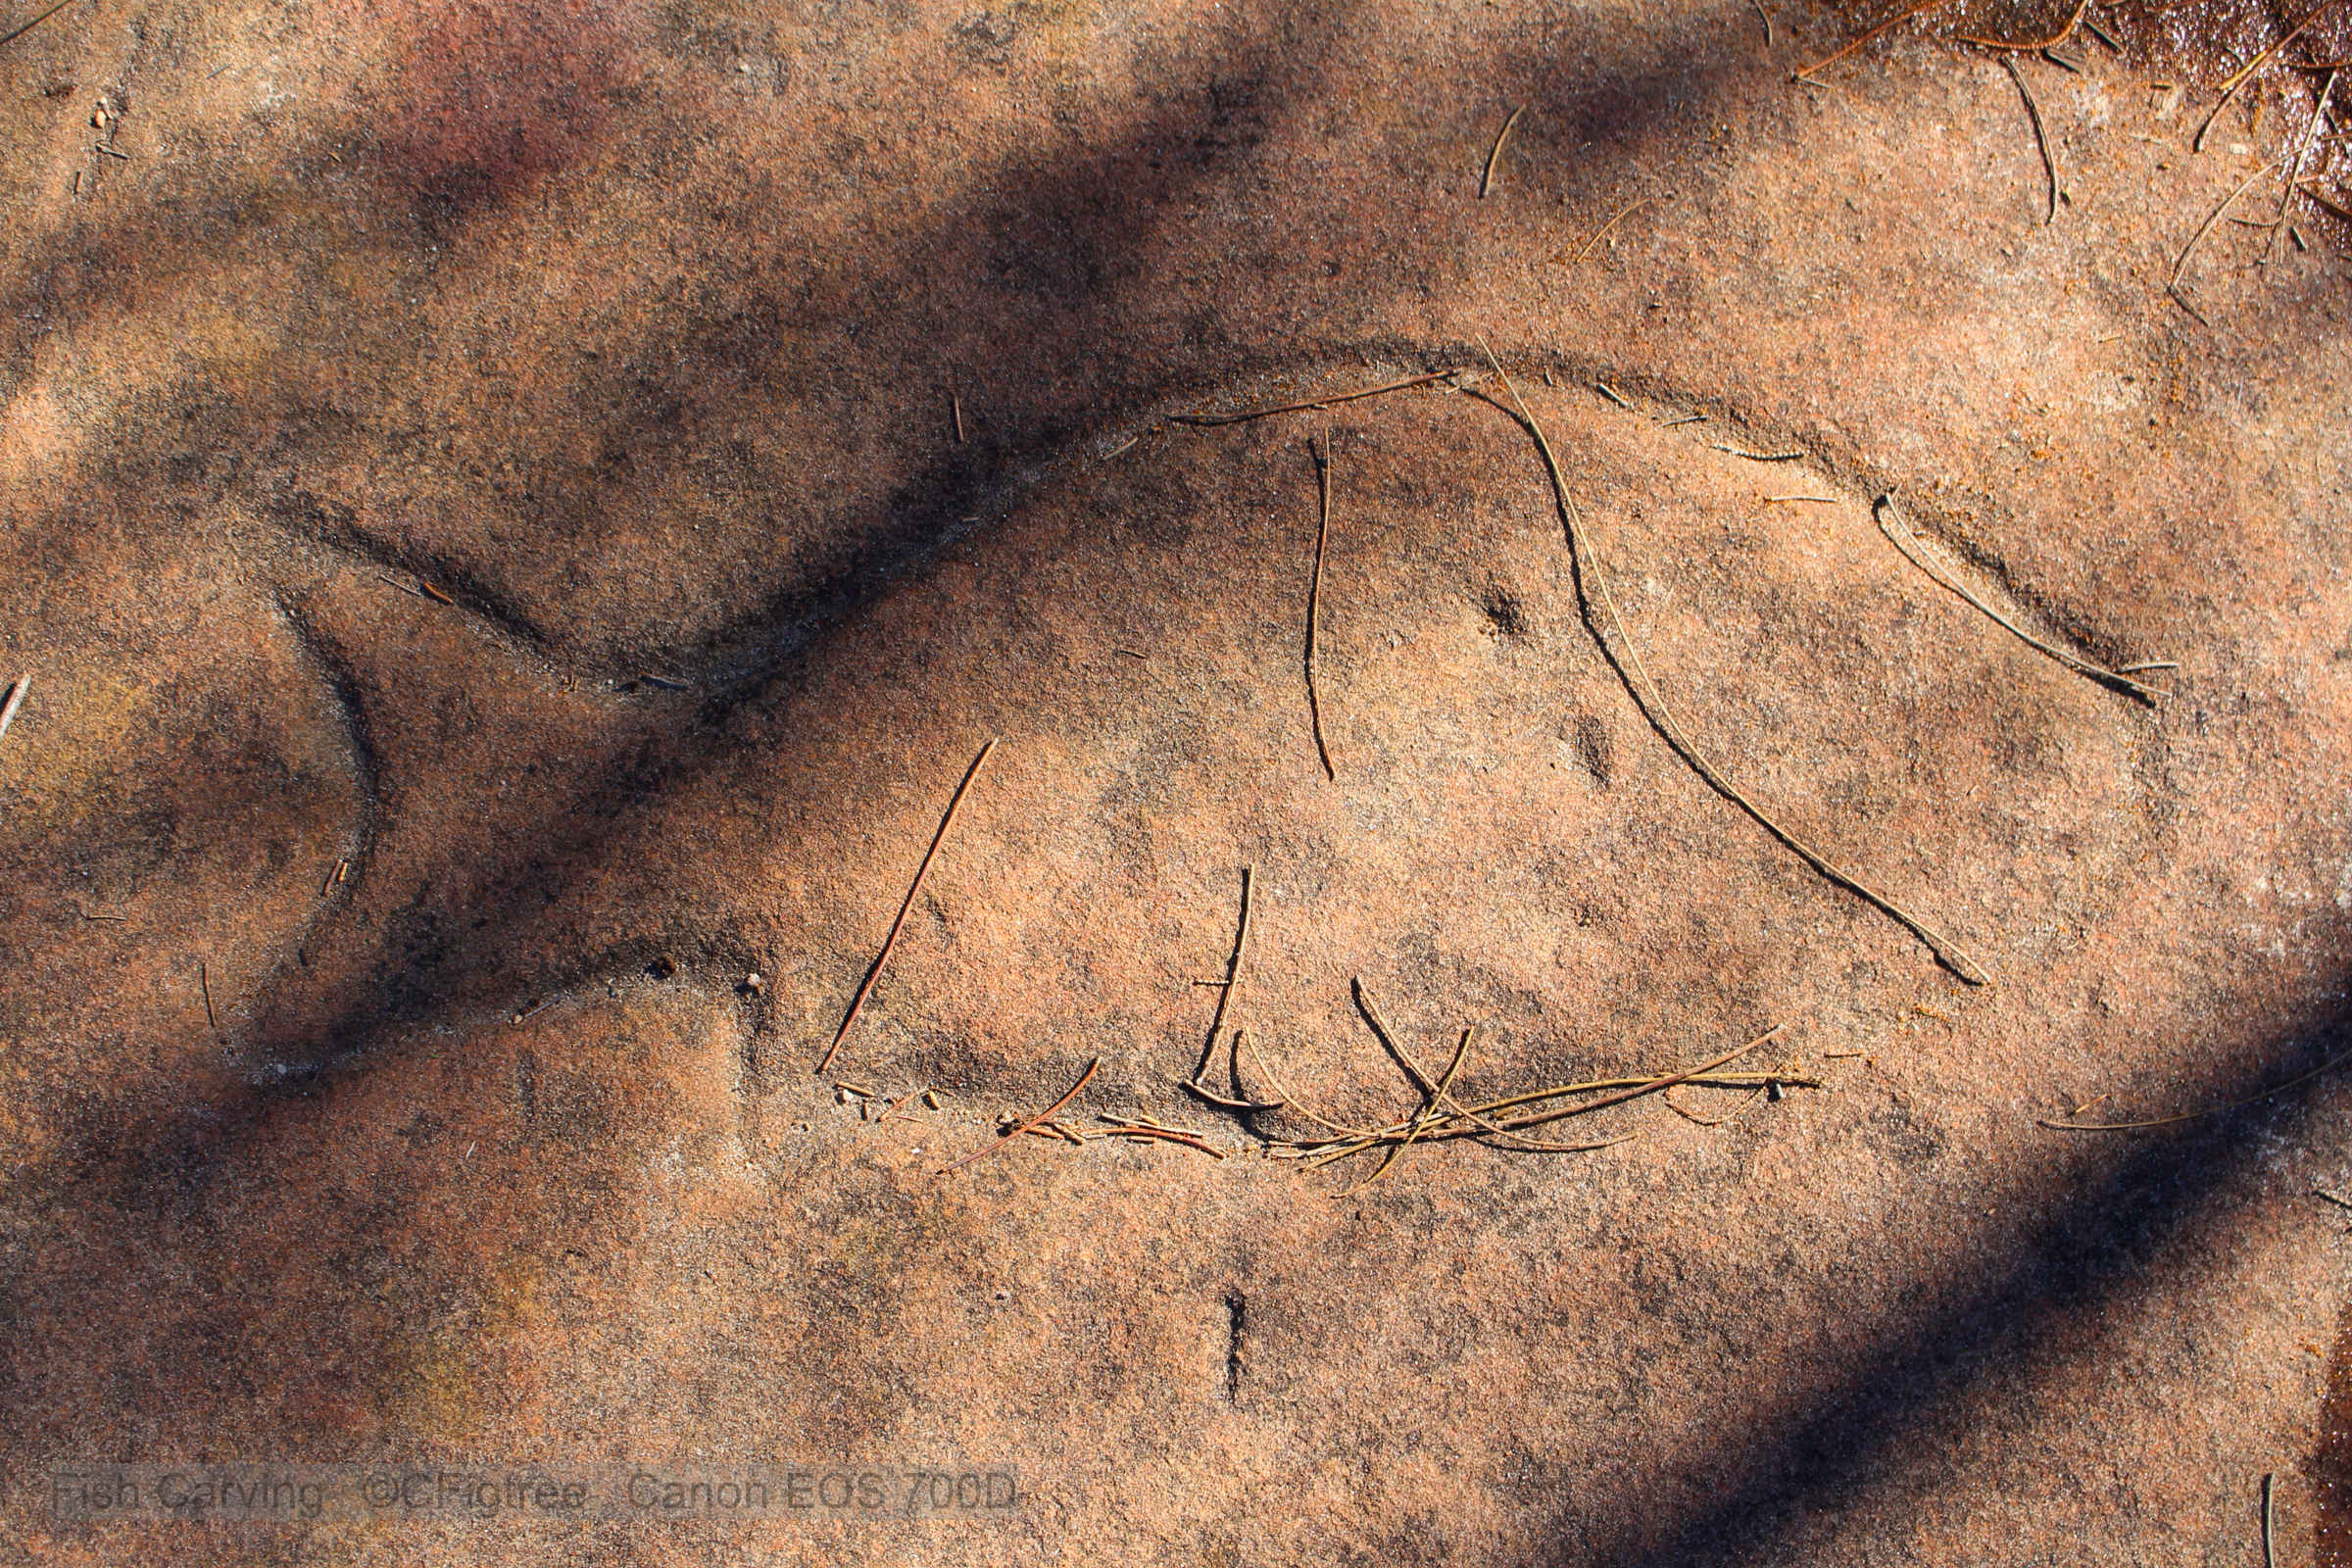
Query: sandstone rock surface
[[519, 517]]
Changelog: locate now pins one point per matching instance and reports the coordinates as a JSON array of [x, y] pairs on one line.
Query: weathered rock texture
[[520, 515]]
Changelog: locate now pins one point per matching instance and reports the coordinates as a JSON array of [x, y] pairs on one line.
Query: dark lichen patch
[[1594, 751], [1505, 615]]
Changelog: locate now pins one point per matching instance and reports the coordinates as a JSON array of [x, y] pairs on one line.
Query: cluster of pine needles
[[2305, 173]]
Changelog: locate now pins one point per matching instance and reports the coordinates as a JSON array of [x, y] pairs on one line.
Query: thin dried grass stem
[[1618, 646], [1204, 417], [881, 959], [1892, 23], [1900, 535]]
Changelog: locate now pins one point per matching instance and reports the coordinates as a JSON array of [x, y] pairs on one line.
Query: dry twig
[[1593, 587], [1233, 980], [1039, 1120], [1900, 534], [1486, 180], [912, 888]]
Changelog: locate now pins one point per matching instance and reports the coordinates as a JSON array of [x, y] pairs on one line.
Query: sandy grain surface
[[489, 527]]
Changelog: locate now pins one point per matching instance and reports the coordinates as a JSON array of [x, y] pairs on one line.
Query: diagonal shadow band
[[2131, 1205]]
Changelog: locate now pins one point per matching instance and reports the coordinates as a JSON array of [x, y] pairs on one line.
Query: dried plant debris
[[1441, 1118], [881, 959], [1617, 645], [1899, 534], [1006, 1136]]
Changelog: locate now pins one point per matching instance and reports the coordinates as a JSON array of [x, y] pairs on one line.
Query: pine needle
[[889, 942], [1895, 21], [1205, 417], [1421, 1118], [2245, 71], [1293, 1101], [1602, 232], [2294, 177], [1037, 1120], [1594, 587], [2173, 284], [2193, 1115], [1314, 597], [1486, 180], [1430, 1124], [14, 34], [2064, 30], [2041, 136], [1900, 534], [16, 700]]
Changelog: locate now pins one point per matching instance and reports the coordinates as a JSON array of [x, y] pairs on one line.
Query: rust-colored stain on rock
[[489, 99]]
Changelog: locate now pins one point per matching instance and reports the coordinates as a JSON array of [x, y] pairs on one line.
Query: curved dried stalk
[[1593, 584], [2294, 175], [1895, 21], [1293, 1101], [2193, 1115], [1900, 535], [2171, 285], [1205, 417], [2074, 19]]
